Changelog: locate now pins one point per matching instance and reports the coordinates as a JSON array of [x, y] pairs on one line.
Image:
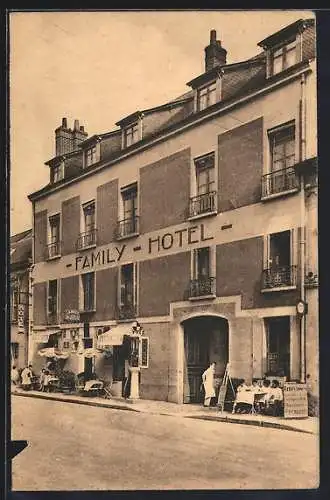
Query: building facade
[[198, 218], [20, 268]]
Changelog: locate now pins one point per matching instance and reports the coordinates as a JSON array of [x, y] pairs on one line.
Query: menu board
[[295, 400]]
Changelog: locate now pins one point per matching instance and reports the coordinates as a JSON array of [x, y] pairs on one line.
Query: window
[[54, 236], [206, 96], [282, 176], [88, 236], [58, 172], [88, 286], [128, 291], [283, 57], [280, 271], [128, 225], [131, 135], [52, 301], [278, 346], [202, 282], [91, 156], [205, 201], [14, 347]]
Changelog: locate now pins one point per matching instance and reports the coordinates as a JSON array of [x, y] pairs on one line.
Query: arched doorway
[[205, 340]]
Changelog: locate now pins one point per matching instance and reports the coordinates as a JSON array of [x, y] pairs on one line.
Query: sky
[[100, 66]]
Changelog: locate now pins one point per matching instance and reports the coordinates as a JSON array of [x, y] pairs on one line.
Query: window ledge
[[87, 247], [54, 257], [86, 311], [127, 236], [278, 289], [203, 297], [204, 214], [126, 320], [278, 195]]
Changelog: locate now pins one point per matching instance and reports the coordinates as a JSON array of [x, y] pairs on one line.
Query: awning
[[53, 352], [113, 337], [89, 353]]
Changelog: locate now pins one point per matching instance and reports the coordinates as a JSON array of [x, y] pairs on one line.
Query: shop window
[[128, 225], [128, 291], [278, 346], [206, 96], [280, 255], [88, 291], [53, 247]]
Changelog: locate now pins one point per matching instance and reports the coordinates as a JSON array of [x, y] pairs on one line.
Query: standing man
[[208, 382]]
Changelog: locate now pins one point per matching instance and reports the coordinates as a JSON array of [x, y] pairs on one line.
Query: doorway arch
[[206, 339]]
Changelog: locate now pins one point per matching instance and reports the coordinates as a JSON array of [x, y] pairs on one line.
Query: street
[[75, 447]]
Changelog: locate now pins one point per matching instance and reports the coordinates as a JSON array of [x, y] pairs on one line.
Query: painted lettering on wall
[[100, 257], [178, 238]]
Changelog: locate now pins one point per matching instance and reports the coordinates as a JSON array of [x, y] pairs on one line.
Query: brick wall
[[70, 224], [69, 293], [107, 212], [73, 166], [164, 192], [308, 43], [40, 235], [162, 281], [240, 166], [239, 271], [106, 294], [40, 303]]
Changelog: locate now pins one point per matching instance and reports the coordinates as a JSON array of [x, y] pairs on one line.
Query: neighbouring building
[[20, 268], [198, 218]]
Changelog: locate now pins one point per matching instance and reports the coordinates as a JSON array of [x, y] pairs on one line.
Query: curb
[[213, 418]]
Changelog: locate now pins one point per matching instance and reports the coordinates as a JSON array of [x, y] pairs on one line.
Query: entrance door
[[278, 346], [197, 360]]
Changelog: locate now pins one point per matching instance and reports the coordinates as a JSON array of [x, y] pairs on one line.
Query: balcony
[[127, 228], [127, 311], [279, 278], [52, 318], [87, 239], [53, 250], [279, 182], [202, 287], [202, 205]]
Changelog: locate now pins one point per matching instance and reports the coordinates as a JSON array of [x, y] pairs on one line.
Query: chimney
[[67, 140], [215, 55]]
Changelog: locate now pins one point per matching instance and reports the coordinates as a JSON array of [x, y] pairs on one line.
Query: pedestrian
[[46, 378], [27, 378], [42, 380], [208, 382], [14, 376]]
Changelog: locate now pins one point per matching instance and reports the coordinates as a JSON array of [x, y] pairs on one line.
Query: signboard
[[71, 316], [20, 318], [295, 400], [144, 352], [222, 394], [41, 337]]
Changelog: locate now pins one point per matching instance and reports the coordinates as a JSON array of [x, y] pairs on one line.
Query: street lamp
[[134, 367]]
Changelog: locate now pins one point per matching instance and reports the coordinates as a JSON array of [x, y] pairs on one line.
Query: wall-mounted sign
[[71, 316], [40, 337], [295, 400], [20, 318], [144, 352]]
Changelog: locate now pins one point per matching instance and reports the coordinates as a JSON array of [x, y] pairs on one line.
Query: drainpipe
[[302, 157], [30, 291]]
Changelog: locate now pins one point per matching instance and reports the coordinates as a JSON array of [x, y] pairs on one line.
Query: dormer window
[[58, 172], [131, 134], [206, 96], [283, 57], [91, 155]]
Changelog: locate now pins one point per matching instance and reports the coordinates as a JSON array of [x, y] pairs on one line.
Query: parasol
[[53, 352], [89, 353]]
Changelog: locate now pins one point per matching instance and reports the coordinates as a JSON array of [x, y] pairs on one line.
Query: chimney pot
[[82, 128], [64, 123], [76, 125], [213, 37]]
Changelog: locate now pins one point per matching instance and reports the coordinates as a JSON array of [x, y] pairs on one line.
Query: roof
[[286, 32], [21, 248]]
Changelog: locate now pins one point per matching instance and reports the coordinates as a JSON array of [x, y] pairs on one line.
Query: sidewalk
[[308, 425]]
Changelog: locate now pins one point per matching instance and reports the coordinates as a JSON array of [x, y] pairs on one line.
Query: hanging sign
[[20, 318], [295, 400]]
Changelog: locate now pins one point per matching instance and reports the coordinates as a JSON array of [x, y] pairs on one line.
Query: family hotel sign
[[169, 241]]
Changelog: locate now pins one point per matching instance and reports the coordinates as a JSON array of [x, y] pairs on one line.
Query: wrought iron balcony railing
[[279, 181], [202, 286], [52, 318], [203, 204], [53, 250], [87, 239], [278, 277], [128, 227], [127, 311]]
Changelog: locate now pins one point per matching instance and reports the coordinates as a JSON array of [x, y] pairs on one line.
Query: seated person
[[244, 398], [275, 400], [255, 386], [261, 404]]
